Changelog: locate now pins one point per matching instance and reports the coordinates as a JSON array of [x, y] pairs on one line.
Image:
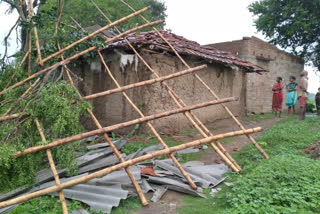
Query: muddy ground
[[173, 200]]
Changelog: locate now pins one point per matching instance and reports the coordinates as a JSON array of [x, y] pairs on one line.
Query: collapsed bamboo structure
[[156, 134], [202, 82], [122, 165], [219, 148], [208, 137]]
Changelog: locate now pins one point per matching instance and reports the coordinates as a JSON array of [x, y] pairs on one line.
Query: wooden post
[[119, 166], [53, 169], [119, 126], [176, 162], [35, 33], [66, 61], [203, 83], [220, 149]]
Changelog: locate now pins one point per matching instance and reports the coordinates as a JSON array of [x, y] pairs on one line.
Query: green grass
[[44, 205], [289, 182]]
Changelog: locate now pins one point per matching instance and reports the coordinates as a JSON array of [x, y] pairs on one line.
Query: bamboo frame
[[119, 166], [95, 33], [156, 134], [219, 148], [143, 83], [112, 146], [66, 61], [203, 83], [53, 169], [119, 126]]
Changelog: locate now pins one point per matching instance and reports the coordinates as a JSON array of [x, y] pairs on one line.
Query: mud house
[[225, 74], [276, 61]]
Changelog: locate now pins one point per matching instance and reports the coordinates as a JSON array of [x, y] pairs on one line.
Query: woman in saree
[[277, 96], [292, 95]]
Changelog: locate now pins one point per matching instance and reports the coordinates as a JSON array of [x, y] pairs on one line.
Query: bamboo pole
[[22, 96], [30, 53], [36, 38], [119, 126], [203, 83], [118, 154], [53, 169], [95, 33], [128, 163], [143, 83], [12, 116], [66, 61], [114, 149], [176, 162], [220, 149]]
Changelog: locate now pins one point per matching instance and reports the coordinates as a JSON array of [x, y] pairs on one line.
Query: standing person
[[317, 99], [277, 96], [303, 94], [292, 95]]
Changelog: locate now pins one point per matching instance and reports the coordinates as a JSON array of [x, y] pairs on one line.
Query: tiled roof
[[151, 40]]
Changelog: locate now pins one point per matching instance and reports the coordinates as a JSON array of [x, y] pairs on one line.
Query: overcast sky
[[204, 21]]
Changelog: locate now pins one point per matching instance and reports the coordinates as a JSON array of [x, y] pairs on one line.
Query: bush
[[59, 119]]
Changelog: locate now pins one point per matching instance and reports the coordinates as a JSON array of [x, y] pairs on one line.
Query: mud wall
[[113, 109]]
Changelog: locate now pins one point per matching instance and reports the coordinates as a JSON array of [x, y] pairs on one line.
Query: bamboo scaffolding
[[203, 83], [143, 83], [22, 96], [53, 169], [12, 116], [114, 149], [128, 163], [219, 149], [95, 33], [156, 134], [119, 126], [36, 38], [66, 61]]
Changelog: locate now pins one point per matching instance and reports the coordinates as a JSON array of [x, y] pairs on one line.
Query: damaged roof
[[152, 41]]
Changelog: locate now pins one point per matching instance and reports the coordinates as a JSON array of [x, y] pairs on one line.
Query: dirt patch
[[313, 150], [173, 200]]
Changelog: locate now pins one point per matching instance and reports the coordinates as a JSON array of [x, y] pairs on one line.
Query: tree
[[291, 24], [82, 11]]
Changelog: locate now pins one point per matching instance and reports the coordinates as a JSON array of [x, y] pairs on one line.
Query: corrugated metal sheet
[[151, 40]]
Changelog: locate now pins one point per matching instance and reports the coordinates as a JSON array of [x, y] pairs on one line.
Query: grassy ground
[[289, 182]]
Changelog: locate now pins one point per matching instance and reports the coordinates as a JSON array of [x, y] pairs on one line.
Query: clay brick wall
[[113, 109], [277, 62]]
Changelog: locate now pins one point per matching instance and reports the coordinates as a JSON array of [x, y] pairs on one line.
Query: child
[[292, 95]]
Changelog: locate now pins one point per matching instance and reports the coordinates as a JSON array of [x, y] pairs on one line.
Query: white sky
[[204, 21]]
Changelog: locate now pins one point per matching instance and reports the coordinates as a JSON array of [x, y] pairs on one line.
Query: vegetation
[[311, 105], [291, 25], [59, 118], [286, 183]]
